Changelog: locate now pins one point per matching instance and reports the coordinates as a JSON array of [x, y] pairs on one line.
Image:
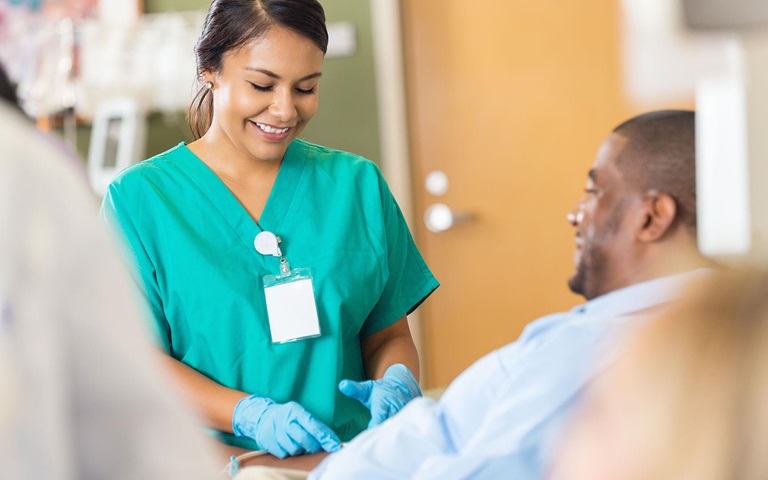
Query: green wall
[[347, 118]]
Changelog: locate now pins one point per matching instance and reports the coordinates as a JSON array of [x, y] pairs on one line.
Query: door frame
[[393, 124]]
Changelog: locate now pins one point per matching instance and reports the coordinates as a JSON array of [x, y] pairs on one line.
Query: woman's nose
[[283, 107]]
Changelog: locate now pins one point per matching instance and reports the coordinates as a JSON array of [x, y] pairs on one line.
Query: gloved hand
[[384, 397], [282, 429]]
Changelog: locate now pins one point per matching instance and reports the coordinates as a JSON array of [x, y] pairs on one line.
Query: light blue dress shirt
[[500, 417]]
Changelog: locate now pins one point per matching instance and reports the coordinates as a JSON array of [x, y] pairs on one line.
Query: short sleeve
[[409, 280], [116, 215]]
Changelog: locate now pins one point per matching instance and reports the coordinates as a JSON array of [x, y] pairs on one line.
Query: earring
[[208, 85]]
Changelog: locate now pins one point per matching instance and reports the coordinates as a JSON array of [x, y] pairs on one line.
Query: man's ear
[[660, 213]]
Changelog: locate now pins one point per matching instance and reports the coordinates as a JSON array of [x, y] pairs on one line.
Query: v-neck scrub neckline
[[275, 216]]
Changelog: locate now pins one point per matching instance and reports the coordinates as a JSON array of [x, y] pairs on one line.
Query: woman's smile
[[271, 132]]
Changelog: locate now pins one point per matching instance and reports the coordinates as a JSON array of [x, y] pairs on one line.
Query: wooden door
[[511, 99]]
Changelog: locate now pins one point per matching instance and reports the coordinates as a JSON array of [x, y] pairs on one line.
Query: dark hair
[[230, 24], [661, 155], [8, 89]]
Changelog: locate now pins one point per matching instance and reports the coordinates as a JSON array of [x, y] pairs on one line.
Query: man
[[79, 397], [635, 247]]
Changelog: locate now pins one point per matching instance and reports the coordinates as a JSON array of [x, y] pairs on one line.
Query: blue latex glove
[[384, 397], [282, 429]]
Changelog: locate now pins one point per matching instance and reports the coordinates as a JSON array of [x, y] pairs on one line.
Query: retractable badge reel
[[290, 295]]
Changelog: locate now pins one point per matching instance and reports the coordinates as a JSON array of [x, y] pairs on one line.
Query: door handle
[[439, 217]]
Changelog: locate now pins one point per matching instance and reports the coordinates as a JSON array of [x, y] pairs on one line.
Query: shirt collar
[[640, 296]]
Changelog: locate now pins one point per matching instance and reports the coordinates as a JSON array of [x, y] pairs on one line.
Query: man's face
[[603, 239]]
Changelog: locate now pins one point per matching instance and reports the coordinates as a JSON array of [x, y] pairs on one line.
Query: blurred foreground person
[[79, 395], [690, 398]]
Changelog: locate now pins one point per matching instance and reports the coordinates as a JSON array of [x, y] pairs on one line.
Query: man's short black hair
[[660, 155]]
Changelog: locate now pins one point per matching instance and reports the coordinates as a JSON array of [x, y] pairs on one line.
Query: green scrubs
[[192, 242]]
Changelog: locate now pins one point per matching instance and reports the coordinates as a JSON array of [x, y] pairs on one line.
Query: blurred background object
[[721, 15], [117, 140]]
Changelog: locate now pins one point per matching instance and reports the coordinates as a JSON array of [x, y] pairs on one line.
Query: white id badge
[[291, 306]]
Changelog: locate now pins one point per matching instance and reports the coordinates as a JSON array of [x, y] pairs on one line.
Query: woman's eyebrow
[[278, 77]]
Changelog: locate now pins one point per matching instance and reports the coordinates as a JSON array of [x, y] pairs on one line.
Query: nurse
[[279, 273]]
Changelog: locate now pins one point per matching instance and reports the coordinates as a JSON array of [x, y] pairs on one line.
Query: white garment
[[8, 383], [89, 401], [270, 473]]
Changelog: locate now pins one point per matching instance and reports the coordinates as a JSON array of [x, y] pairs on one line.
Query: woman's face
[[265, 93]]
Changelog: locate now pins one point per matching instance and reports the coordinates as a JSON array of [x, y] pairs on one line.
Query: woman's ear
[[206, 76], [660, 213]]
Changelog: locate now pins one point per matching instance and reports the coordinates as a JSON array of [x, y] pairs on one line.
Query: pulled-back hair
[[660, 155], [231, 24]]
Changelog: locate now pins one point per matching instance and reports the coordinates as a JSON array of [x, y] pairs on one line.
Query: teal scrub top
[[192, 242]]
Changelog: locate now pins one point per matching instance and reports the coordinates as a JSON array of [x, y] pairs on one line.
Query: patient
[[690, 398], [635, 249]]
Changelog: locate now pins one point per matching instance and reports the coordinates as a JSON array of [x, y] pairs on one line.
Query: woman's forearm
[[386, 347], [213, 401]]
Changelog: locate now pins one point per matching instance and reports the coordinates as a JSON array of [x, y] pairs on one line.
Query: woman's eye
[[308, 91], [260, 88], [590, 191]]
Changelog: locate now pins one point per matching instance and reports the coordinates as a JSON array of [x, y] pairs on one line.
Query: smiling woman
[[295, 348]]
